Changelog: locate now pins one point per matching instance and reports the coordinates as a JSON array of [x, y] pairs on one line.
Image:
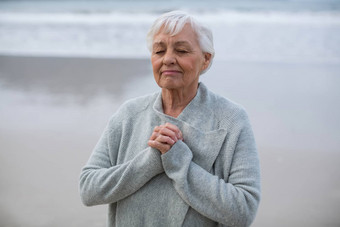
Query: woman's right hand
[[164, 136]]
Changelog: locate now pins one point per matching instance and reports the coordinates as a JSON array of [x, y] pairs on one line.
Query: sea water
[[268, 30], [295, 42]]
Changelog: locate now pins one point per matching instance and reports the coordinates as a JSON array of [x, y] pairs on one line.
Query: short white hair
[[173, 22]]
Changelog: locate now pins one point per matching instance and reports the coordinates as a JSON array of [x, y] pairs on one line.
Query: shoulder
[[133, 107], [225, 110], [137, 105], [225, 106]]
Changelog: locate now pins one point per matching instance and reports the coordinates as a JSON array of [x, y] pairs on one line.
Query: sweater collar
[[198, 125], [193, 114]]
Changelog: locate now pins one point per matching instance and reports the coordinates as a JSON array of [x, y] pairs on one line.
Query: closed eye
[[159, 52], [182, 51]]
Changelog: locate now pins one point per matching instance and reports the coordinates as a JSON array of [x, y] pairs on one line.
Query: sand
[[53, 110]]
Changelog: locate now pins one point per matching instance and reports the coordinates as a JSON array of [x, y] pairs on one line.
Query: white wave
[[75, 18], [264, 36], [222, 16], [268, 17]]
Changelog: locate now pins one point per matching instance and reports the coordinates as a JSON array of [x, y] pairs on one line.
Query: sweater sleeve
[[231, 201], [102, 181]]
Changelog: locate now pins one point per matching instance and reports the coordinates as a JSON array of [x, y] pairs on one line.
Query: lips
[[170, 72]]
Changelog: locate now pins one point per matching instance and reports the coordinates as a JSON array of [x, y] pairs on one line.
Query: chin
[[170, 84]]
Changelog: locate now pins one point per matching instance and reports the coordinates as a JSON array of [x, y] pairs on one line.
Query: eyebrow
[[178, 43]]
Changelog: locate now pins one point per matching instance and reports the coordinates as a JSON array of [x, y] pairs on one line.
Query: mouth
[[170, 72]]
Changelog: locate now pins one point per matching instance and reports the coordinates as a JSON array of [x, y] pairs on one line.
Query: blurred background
[[66, 66]]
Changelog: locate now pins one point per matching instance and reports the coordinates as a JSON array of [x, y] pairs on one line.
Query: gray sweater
[[211, 178]]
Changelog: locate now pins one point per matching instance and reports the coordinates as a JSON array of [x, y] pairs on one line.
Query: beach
[[54, 109]]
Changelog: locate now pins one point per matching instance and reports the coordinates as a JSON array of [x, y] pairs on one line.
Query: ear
[[207, 59]]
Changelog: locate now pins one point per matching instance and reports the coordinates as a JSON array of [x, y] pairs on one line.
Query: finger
[[180, 137], [168, 132], [163, 148], [165, 139], [175, 129], [157, 128], [154, 135]]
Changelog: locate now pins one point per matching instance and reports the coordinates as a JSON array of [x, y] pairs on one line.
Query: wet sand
[[53, 110]]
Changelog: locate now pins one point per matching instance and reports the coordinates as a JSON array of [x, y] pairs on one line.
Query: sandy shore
[[53, 110]]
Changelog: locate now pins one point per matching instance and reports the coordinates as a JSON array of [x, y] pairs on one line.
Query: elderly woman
[[181, 157]]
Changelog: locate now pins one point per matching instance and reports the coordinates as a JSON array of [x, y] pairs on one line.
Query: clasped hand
[[164, 136]]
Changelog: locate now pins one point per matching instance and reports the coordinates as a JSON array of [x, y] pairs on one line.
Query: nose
[[169, 58]]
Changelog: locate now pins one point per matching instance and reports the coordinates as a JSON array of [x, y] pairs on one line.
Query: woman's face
[[177, 61]]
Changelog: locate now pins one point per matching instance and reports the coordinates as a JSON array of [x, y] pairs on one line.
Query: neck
[[175, 100]]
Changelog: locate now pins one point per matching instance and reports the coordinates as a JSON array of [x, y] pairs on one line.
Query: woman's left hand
[[164, 136]]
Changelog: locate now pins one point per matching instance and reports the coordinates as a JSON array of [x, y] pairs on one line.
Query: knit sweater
[[211, 178]]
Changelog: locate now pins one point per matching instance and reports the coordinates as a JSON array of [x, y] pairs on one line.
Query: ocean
[[263, 30]]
